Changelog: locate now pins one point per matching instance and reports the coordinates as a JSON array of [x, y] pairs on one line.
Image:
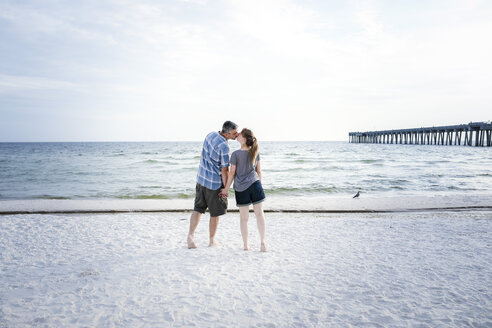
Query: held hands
[[224, 193]]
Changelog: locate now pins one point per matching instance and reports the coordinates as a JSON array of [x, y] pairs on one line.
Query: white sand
[[133, 270]]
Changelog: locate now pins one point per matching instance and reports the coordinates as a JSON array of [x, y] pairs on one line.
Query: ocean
[[167, 170]]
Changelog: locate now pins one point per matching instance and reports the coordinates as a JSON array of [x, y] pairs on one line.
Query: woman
[[246, 173]]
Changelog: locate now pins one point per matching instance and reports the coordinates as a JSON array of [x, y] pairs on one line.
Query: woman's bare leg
[[260, 221], [244, 216]]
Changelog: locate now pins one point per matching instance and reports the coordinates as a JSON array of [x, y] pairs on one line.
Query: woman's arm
[[258, 169], [230, 178]]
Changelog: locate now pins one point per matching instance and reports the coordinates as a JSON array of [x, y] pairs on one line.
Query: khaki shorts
[[207, 198]]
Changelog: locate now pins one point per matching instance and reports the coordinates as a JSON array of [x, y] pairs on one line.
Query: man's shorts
[[207, 198], [253, 195]]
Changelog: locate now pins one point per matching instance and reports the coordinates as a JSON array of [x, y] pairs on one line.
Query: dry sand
[[423, 269]]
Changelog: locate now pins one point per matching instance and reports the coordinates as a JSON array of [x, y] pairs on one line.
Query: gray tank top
[[245, 172]]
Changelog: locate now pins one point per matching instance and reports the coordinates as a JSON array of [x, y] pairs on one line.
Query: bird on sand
[[357, 194]]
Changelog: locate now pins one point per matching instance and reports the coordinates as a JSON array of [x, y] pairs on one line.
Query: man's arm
[[224, 162], [225, 175], [232, 173]]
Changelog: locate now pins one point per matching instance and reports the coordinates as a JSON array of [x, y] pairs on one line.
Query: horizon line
[[156, 141]]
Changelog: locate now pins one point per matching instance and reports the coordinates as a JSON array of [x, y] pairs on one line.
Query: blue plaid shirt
[[215, 156]]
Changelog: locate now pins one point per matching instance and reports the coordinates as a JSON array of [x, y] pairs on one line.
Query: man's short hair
[[228, 126]]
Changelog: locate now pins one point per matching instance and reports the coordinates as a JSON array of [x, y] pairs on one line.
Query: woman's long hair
[[252, 143]]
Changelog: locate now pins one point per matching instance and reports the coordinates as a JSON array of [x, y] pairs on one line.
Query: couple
[[213, 174]]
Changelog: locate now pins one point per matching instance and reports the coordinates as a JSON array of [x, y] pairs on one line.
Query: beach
[[398, 269]]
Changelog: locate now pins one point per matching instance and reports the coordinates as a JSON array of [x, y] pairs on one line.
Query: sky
[[175, 70]]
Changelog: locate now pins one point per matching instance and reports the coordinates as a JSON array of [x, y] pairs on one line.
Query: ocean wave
[[400, 181], [157, 196], [156, 161], [443, 188], [454, 188], [178, 169], [276, 170], [308, 169], [301, 190], [50, 197]]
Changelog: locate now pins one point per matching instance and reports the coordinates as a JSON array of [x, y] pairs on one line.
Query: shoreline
[[272, 205], [437, 209]]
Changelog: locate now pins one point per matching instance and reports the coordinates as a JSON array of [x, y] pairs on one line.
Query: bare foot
[[213, 243], [246, 247], [263, 247], [191, 242]]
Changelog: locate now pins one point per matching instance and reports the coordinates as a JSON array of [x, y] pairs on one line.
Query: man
[[211, 177]]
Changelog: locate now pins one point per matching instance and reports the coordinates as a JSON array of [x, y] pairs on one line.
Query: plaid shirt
[[215, 156]]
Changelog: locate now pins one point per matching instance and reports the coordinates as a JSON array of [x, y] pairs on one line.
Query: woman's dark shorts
[[253, 195], [205, 197]]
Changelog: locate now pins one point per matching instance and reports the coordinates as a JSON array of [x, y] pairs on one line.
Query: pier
[[478, 134]]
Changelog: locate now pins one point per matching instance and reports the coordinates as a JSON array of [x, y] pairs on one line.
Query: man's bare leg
[[214, 222], [195, 218], [244, 216], [260, 221]]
